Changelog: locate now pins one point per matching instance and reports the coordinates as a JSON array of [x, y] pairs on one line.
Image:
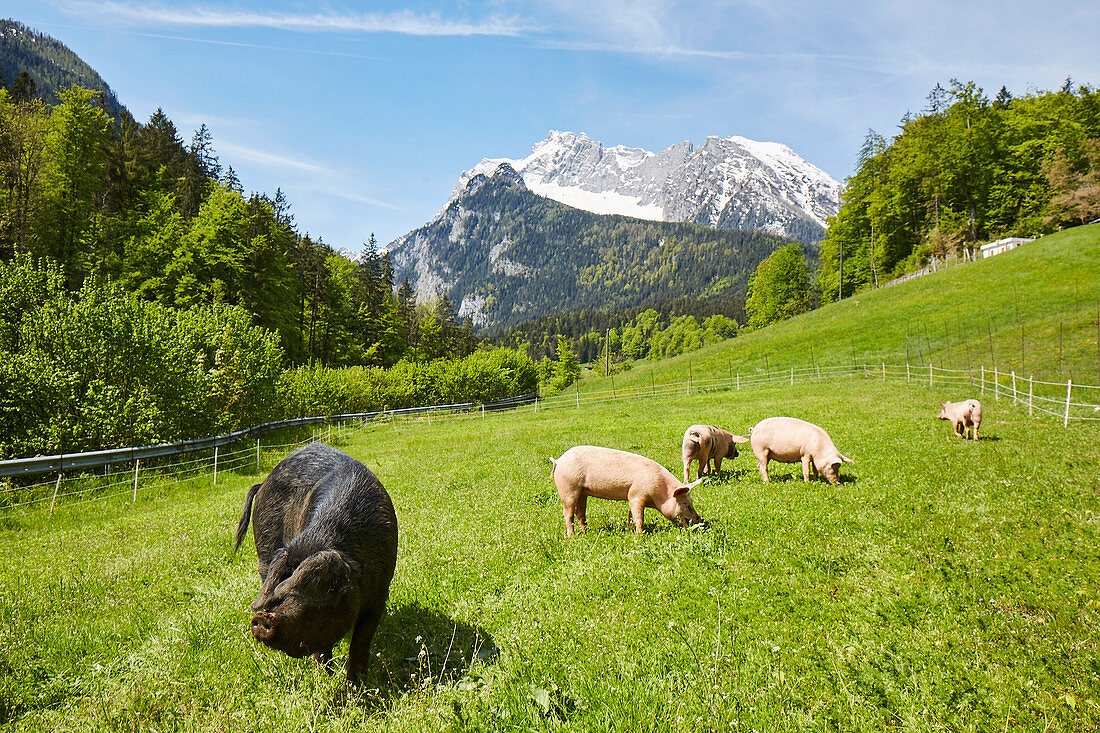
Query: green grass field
[[1010, 311], [946, 584]]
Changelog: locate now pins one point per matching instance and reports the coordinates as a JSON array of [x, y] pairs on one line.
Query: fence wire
[[1064, 401]]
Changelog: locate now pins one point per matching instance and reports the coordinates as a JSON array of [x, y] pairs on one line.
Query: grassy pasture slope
[[954, 314], [948, 584]]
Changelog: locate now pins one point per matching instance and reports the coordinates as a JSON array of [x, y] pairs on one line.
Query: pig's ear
[[681, 490], [740, 439], [325, 575]]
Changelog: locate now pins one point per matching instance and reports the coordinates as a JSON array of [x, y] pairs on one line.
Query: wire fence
[[1064, 401], [95, 475]]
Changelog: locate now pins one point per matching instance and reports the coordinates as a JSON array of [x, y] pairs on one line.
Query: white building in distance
[[1002, 245]]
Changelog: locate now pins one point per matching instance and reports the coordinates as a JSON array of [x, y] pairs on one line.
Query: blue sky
[[365, 113]]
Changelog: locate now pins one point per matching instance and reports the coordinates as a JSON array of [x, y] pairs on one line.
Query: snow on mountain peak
[[731, 182]]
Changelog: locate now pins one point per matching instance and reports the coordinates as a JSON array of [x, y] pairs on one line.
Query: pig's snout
[[264, 625]]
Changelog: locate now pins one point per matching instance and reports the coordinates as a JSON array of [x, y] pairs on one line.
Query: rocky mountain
[[504, 254], [727, 183], [49, 63]]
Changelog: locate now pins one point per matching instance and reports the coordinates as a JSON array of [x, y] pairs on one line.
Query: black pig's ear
[[325, 575]]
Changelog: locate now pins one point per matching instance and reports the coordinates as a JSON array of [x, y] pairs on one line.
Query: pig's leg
[[687, 468], [762, 464], [359, 651], [717, 464], [974, 427], [568, 509], [637, 507], [805, 468], [581, 510]]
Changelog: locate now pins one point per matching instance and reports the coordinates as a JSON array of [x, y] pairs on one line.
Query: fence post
[[996, 383], [53, 501], [929, 374], [1069, 391], [908, 380], [1014, 401], [738, 381], [215, 483], [1029, 394], [137, 465], [883, 371], [536, 405], [257, 455], [983, 379], [792, 376], [482, 410]]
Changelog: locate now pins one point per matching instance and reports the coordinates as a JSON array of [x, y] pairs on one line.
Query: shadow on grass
[[417, 648]]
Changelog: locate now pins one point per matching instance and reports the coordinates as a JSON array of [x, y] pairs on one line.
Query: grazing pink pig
[[963, 415], [587, 470], [790, 440], [703, 443]]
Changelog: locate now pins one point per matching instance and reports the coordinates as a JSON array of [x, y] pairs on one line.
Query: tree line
[[965, 170], [132, 203]]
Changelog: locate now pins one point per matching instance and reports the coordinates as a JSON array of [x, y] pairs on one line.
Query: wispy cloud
[[666, 51], [310, 176], [402, 22], [270, 160]]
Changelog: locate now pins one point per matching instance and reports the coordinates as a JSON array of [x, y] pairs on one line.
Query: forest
[[147, 297], [965, 170]]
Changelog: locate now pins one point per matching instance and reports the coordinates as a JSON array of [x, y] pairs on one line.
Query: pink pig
[[588, 470], [790, 440], [705, 443], [963, 415]]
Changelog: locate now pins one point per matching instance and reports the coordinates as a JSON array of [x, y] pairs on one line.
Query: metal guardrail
[[92, 459]]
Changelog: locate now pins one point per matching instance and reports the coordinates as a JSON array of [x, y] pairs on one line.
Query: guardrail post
[[1069, 391], [53, 502], [215, 483], [137, 465]]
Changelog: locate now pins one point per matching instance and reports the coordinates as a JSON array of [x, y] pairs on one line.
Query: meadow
[[944, 584]]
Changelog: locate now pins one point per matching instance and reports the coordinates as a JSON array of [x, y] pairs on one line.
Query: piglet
[[963, 416], [790, 440], [704, 443], [588, 470]]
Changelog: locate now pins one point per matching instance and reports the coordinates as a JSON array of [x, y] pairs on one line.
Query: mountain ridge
[[504, 254], [726, 183], [50, 63]]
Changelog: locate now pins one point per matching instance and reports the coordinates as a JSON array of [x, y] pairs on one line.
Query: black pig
[[326, 538]]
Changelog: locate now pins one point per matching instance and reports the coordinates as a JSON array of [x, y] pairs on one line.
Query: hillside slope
[[1044, 293], [50, 63]]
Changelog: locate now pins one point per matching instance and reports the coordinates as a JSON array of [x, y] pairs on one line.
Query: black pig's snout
[[263, 626]]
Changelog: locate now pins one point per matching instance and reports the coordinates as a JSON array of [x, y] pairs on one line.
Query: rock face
[[503, 254], [727, 183]]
